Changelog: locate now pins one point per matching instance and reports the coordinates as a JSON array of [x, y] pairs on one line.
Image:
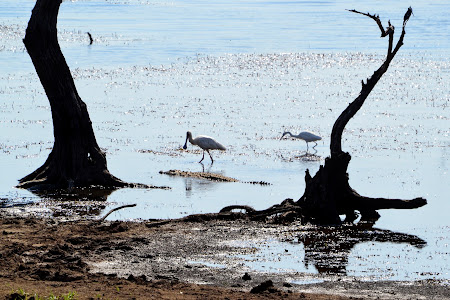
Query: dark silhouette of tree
[[76, 159], [328, 194]]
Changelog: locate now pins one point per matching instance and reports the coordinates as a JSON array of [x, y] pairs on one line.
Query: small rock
[[246, 276], [131, 278], [264, 286]]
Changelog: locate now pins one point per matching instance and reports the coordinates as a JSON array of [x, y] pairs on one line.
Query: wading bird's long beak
[[185, 144]]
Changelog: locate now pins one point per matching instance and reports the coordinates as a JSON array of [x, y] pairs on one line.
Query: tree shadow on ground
[[328, 248]]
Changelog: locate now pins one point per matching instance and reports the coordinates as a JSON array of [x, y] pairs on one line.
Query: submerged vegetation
[[21, 294]]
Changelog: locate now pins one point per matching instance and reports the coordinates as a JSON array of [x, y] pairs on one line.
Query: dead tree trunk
[[76, 160], [328, 194]]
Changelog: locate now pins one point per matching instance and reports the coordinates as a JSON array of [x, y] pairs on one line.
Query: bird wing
[[309, 136], [208, 143]]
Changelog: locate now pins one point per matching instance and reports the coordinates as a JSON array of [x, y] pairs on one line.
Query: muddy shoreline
[[188, 260]]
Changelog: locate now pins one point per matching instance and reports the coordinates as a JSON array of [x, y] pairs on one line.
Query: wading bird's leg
[[202, 156], [212, 160], [307, 147], [314, 147]]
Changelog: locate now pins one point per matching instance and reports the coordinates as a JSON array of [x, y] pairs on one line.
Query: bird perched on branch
[[307, 136], [407, 15], [205, 142]]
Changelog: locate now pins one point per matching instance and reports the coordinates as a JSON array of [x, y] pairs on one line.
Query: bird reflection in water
[[196, 185], [208, 170], [201, 181]]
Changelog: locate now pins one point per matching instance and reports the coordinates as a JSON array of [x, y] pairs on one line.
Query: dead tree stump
[[328, 194], [76, 159]]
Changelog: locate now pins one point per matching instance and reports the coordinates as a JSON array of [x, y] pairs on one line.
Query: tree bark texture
[[76, 159]]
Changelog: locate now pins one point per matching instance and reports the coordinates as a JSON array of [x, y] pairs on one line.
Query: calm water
[[243, 72]]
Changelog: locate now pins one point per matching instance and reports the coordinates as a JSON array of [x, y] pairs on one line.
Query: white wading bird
[[307, 136], [205, 142]]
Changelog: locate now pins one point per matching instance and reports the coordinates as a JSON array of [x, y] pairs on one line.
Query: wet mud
[[188, 260]]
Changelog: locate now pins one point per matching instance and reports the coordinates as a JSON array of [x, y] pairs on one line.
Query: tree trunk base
[[76, 160], [55, 173], [93, 173], [328, 195]]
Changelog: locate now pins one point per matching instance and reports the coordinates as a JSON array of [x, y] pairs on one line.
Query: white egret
[[205, 142], [307, 136]]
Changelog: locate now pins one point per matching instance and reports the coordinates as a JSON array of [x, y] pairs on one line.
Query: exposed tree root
[[285, 212]]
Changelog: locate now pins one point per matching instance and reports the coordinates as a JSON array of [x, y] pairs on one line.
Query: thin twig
[[114, 209], [374, 17]]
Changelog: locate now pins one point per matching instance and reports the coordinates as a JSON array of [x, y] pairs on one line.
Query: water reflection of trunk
[[328, 248], [79, 202]]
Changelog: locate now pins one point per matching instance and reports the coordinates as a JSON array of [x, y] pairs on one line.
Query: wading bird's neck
[[189, 138], [288, 132]]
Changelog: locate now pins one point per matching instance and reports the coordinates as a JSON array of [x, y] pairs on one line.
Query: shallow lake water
[[244, 72]]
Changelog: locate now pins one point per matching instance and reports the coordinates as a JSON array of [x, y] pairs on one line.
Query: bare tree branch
[[390, 32], [400, 41], [376, 18], [347, 114]]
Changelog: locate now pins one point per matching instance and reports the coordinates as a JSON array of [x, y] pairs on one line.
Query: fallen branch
[[278, 213], [113, 210]]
